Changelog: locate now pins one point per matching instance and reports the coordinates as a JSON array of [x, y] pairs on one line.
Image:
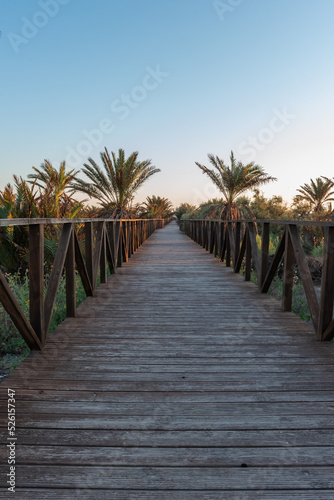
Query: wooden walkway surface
[[179, 381]]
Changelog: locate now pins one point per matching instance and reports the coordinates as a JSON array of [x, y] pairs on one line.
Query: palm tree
[[54, 185], [316, 194], [233, 181], [156, 207], [114, 186], [43, 197]]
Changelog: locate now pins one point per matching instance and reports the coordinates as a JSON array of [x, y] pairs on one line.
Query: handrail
[[235, 242], [28, 222], [297, 222], [115, 242]]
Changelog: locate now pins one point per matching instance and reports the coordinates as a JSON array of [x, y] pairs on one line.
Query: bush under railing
[[235, 241]]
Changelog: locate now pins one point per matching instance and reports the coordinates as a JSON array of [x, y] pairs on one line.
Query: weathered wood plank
[[167, 494], [186, 409], [187, 438], [154, 478], [190, 456]]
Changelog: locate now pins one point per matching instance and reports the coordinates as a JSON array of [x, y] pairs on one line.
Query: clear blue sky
[[174, 80]]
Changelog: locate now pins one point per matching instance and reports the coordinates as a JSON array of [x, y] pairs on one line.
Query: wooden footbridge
[[176, 379]]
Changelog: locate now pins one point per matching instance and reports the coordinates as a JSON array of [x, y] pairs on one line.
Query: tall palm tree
[[54, 188], [316, 194], [233, 181], [156, 207], [115, 184]]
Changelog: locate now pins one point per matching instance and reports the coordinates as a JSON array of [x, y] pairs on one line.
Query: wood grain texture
[[177, 381]]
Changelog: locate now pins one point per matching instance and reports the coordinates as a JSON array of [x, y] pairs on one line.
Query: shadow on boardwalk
[[178, 381]]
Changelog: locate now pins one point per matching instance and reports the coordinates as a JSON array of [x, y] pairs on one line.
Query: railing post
[[248, 260], [228, 247], [119, 241], [223, 233], [103, 257], [219, 240], [124, 241], [70, 277], [215, 238], [89, 251], [236, 241], [36, 281], [212, 233], [207, 235], [131, 225], [288, 272], [136, 235], [326, 325], [264, 252]]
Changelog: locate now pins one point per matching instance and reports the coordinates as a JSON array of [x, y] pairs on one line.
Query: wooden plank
[[168, 494], [179, 409], [190, 456], [144, 438], [57, 394], [235, 478], [172, 422], [36, 280]]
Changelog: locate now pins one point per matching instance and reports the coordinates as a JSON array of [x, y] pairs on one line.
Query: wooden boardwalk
[[179, 381]]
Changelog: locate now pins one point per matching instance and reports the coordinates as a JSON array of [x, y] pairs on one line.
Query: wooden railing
[[106, 243], [235, 243]]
